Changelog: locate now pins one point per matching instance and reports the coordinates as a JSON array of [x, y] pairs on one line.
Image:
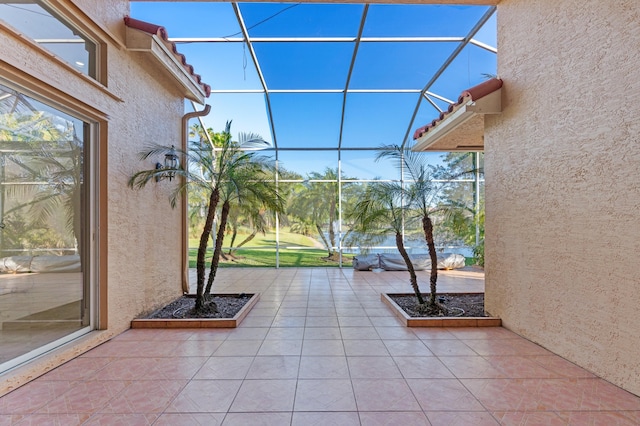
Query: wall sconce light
[[170, 164]]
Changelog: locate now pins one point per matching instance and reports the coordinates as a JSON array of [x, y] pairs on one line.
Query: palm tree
[[379, 212], [250, 215], [250, 181], [225, 173], [422, 191], [55, 156], [317, 204]]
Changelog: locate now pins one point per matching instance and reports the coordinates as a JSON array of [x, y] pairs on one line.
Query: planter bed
[[462, 321], [200, 322]]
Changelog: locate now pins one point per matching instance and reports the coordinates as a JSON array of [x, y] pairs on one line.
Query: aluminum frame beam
[[256, 63], [483, 20]]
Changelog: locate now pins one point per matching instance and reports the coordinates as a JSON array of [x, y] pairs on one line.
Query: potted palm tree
[[380, 212], [391, 206], [227, 174]]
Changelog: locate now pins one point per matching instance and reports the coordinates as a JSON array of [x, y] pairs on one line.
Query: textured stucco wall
[[144, 251], [562, 182]]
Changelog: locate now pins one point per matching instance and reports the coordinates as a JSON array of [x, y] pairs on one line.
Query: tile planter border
[[198, 322], [437, 321]]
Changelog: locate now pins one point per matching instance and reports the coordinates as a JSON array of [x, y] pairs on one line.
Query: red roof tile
[[472, 94], [162, 33]]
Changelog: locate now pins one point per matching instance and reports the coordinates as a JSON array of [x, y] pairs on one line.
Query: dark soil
[[218, 306], [456, 305]]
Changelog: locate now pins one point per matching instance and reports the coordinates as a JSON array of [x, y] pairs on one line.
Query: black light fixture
[[171, 163]]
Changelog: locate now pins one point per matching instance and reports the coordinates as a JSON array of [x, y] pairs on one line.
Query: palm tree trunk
[[202, 248], [427, 226], [234, 233], [245, 241], [324, 239], [332, 234], [224, 215], [412, 271]]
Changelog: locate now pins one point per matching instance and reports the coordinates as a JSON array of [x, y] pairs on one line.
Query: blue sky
[[304, 120]]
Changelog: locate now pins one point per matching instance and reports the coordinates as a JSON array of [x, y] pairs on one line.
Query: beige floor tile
[[323, 348], [365, 348], [449, 348], [52, 419], [472, 367], [265, 396], [315, 351], [322, 333], [151, 396], [394, 418], [280, 347], [77, 369], [384, 395], [444, 395], [257, 321], [325, 419], [274, 367], [453, 418], [396, 333], [238, 348], [407, 348], [323, 367], [262, 419], [414, 367], [190, 419], [205, 396], [288, 321], [530, 418], [76, 400], [197, 348], [225, 367], [374, 367], [34, 395], [281, 333], [324, 395], [359, 333], [253, 333], [321, 321]]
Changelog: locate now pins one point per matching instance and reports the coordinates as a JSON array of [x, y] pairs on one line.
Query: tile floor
[[321, 349]]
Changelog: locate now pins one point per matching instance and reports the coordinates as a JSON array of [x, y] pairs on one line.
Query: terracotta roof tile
[[472, 94], [161, 32]]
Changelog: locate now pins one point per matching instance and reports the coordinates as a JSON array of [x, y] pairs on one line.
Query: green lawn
[[267, 257], [262, 252]]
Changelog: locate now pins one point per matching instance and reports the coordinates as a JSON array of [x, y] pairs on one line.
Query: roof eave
[[153, 45], [461, 128]]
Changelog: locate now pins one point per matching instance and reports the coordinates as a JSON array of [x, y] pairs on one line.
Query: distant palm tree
[[317, 203], [249, 215], [55, 155], [228, 174]]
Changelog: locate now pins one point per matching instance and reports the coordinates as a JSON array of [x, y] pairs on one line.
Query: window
[[41, 23]]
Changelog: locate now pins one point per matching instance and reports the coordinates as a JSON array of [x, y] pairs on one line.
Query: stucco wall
[[562, 182], [143, 253]]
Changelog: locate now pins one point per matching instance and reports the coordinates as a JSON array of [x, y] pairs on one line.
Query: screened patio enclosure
[[325, 86]]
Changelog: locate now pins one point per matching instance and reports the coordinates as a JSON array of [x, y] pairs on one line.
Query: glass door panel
[[43, 226]]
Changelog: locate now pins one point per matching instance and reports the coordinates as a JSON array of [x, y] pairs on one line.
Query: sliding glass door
[[45, 224]]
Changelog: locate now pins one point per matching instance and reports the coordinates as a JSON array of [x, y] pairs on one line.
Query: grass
[[267, 258], [262, 252]]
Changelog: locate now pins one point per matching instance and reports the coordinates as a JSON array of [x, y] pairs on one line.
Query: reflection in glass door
[[44, 222]]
